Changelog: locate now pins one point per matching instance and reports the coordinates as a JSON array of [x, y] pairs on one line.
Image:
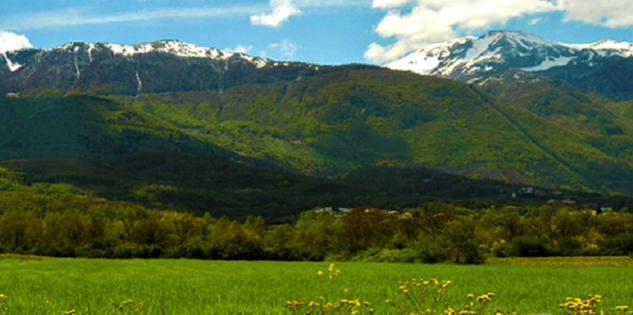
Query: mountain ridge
[[474, 59], [105, 68], [488, 47]]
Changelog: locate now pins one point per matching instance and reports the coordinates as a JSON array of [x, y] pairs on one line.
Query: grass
[[55, 286]]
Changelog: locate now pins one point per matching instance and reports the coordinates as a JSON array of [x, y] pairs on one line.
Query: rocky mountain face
[[152, 67], [602, 67]]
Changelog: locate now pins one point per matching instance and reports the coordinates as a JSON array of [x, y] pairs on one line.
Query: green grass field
[[56, 286]]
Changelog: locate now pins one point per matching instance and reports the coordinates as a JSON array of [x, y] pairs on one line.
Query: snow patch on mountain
[[182, 49], [10, 64], [128, 51], [623, 48], [550, 63]]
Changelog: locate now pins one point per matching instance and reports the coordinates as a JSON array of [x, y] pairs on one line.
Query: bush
[[528, 246], [124, 251], [469, 253], [500, 248], [431, 253], [620, 244], [569, 246]]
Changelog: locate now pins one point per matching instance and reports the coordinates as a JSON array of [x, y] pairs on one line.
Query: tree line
[[70, 225]]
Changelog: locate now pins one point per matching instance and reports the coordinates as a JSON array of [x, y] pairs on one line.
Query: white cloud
[[283, 10], [535, 21], [389, 3], [286, 49], [431, 21], [609, 13], [243, 49], [10, 42], [331, 3], [76, 17]]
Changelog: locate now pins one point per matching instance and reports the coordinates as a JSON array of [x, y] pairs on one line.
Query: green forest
[[62, 220]]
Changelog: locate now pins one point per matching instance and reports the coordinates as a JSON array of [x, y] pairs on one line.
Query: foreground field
[[55, 286]]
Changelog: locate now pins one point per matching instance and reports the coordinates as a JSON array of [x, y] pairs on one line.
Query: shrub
[[469, 253], [569, 246], [620, 244], [528, 246]]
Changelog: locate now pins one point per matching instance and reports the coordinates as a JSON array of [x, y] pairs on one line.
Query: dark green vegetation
[[68, 221], [55, 286]]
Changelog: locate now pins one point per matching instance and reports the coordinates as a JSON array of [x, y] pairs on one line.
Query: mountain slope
[[175, 98], [330, 123], [86, 127]]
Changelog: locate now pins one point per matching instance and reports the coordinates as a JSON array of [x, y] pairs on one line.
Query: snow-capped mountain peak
[[429, 58], [172, 47], [470, 58], [182, 49], [155, 67]]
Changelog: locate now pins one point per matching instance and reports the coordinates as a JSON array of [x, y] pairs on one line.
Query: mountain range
[[137, 123]]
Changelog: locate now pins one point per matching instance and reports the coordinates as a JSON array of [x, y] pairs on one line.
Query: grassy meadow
[[95, 286]]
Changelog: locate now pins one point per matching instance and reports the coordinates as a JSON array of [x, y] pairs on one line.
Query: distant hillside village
[[559, 197], [339, 212], [540, 196]]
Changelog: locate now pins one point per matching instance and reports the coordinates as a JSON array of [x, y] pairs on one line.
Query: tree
[[363, 228], [18, 228], [76, 227]]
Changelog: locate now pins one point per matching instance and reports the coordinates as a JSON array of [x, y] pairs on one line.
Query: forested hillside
[[331, 123]]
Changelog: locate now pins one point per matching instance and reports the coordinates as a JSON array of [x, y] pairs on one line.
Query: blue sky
[[316, 31]]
